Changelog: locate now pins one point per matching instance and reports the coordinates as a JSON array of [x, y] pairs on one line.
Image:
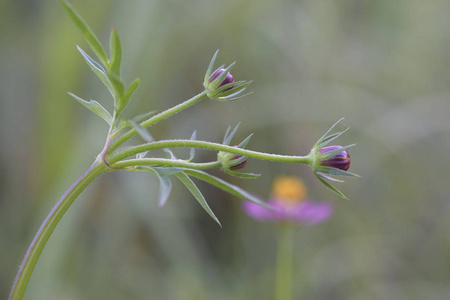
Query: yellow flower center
[[289, 190]]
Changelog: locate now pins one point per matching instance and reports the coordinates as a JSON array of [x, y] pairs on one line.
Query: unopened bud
[[339, 161]]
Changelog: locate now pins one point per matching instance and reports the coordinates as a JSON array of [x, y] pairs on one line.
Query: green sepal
[[237, 87], [95, 107], [331, 187], [210, 67], [116, 53], [232, 97], [227, 187], [89, 35], [228, 137], [241, 174], [98, 70], [197, 194], [213, 85], [323, 137], [165, 185], [330, 138], [332, 153], [245, 141], [334, 171]]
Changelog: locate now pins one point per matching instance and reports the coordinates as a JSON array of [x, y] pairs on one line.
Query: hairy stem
[[47, 227], [166, 163], [206, 145], [155, 119]]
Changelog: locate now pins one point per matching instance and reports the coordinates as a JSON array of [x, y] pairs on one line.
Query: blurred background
[[385, 65]]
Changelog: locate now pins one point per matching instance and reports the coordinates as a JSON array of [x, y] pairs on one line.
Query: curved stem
[[47, 227], [155, 119], [207, 145], [166, 163], [283, 288]]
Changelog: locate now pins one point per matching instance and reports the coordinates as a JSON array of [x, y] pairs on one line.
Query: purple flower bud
[[239, 165], [339, 161], [228, 78]]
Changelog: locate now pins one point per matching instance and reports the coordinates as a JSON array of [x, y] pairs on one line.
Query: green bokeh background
[[385, 65]]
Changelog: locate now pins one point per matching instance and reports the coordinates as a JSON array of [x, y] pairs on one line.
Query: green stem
[[207, 145], [283, 289], [155, 119], [47, 227], [166, 163]]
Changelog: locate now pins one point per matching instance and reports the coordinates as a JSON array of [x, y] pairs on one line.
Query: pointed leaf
[[143, 117], [95, 107], [192, 152], [331, 187], [328, 131], [119, 90], [227, 139], [98, 70], [245, 142], [165, 185], [197, 194], [129, 92], [233, 98], [89, 35], [241, 174], [331, 138], [213, 85], [330, 154], [227, 187], [116, 53], [211, 65], [143, 133]]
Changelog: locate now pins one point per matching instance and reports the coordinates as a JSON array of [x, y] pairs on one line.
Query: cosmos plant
[[219, 85]]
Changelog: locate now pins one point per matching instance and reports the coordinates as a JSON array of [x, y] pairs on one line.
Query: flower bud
[[339, 161], [228, 160], [228, 78], [238, 165]]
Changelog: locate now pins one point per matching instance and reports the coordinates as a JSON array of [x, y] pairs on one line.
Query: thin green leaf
[[119, 90], [335, 171], [165, 185], [328, 131], [227, 139], [227, 187], [192, 152], [331, 187], [143, 133], [221, 77], [245, 141], [95, 107], [168, 171], [197, 194], [232, 97], [241, 174], [129, 92], [330, 154], [331, 138], [98, 70], [211, 65], [143, 117], [89, 35], [116, 53]]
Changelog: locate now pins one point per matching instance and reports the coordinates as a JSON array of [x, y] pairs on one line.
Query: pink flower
[[290, 205]]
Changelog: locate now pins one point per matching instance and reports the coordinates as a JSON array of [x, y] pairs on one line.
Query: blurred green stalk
[[283, 287], [47, 227]]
